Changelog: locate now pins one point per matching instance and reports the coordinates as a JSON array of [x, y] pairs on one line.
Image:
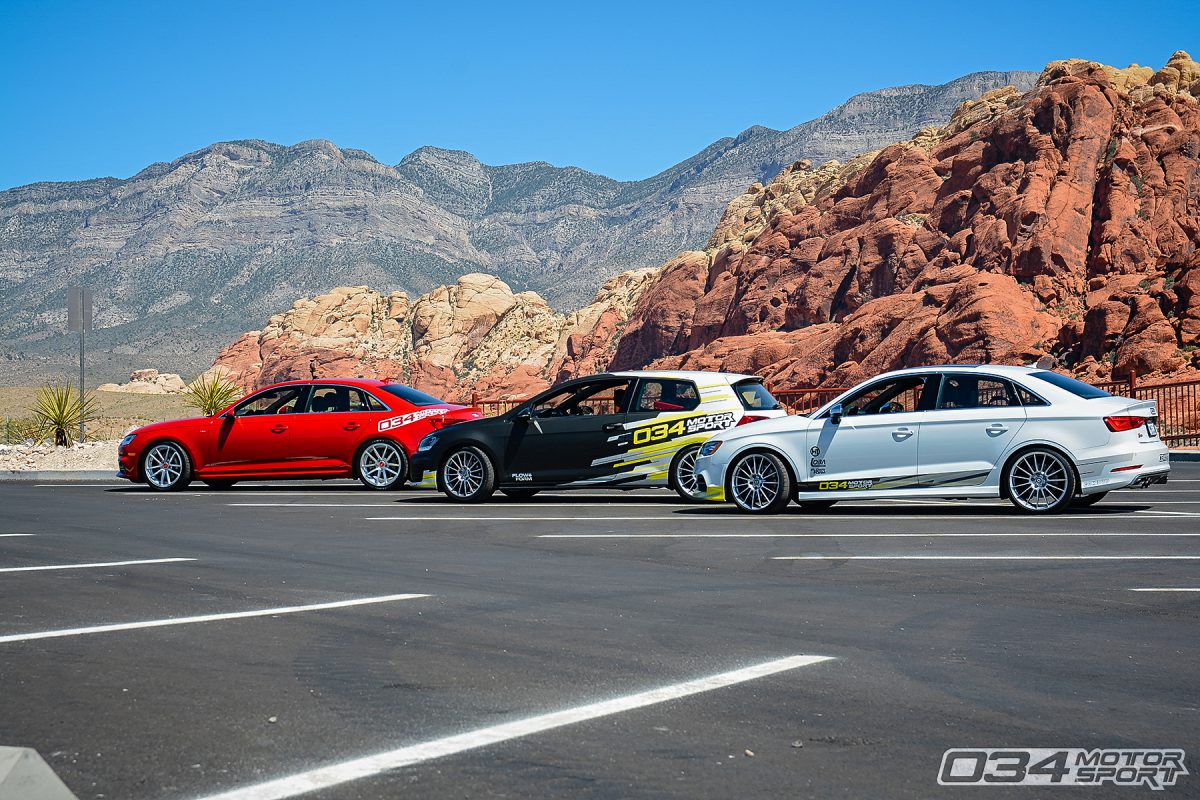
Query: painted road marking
[[505, 505], [9, 535], [738, 519], [985, 558], [1166, 589], [96, 565], [829, 535], [357, 768], [161, 623]]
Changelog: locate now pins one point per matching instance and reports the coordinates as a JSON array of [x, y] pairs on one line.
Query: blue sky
[[624, 89]]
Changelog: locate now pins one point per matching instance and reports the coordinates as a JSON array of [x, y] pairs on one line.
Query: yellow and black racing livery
[[616, 430]]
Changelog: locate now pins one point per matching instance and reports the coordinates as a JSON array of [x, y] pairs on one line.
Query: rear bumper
[[1131, 467]]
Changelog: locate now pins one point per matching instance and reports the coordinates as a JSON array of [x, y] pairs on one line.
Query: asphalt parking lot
[[268, 640]]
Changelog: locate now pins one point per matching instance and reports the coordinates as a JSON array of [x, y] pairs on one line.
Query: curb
[[51, 475], [1185, 455]]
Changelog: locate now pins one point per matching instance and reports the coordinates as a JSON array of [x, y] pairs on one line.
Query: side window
[[273, 401], [326, 399], [368, 401], [665, 394], [973, 391], [601, 397], [755, 397], [1028, 398], [894, 396]]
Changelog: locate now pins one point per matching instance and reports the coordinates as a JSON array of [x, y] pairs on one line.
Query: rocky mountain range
[[1062, 221], [182, 255]]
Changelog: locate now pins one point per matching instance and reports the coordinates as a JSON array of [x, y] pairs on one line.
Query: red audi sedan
[[362, 429]]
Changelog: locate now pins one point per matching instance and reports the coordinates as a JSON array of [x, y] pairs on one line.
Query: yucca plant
[[60, 410], [29, 430], [210, 393]]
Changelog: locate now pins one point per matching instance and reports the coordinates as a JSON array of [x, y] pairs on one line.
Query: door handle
[[279, 429], [900, 434], [350, 426], [996, 427], [612, 426]]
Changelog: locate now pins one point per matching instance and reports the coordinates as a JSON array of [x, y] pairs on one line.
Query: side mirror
[[835, 414], [524, 415]]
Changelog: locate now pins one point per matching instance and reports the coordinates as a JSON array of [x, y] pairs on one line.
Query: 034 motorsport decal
[[647, 447], [1021, 766], [410, 418]]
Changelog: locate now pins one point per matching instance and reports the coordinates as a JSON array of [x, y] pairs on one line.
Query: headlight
[[128, 440], [427, 443], [709, 448]]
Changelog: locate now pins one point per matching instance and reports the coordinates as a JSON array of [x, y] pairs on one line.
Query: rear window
[[1077, 388], [755, 397], [412, 396]]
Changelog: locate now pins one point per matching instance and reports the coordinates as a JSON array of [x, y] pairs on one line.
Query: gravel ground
[[86, 456]]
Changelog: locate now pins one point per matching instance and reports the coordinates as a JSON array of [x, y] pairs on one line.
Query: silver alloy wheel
[[381, 464], [755, 482], [463, 473], [164, 465], [1039, 480], [685, 475]]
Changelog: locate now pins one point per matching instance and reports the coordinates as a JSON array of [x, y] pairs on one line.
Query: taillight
[[748, 418], [1118, 424], [437, 423]]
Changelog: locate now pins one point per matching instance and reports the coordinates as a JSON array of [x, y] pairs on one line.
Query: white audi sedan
[[1038, 438]]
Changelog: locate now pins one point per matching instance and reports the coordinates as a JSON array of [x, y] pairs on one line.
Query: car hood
[[188, 422]]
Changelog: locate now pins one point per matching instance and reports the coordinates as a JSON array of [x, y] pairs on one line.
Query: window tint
[[411, 395], [1028, 398], [665, 394], [339, 399], [889, 397], [755, 397], [273, 401], [976, 391], [598, 397], [1077, 388]]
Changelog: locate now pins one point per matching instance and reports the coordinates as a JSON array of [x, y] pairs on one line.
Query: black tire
[[166, 467], [381, 464], [681, 476], [519, 494], [214, 483], [1088, 500], [466, 475], [759, 483], [1039, 481], [817, 505]]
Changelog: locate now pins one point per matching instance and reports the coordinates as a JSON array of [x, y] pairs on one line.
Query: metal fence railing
[[1178, 404]]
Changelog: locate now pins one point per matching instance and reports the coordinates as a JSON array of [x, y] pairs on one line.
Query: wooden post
[[1132, 381]]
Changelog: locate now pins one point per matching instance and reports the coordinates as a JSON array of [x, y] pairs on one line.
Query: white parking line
[[838, 535], [96, 564], [161, 623], [985, 558], [358, 768], [9, 535], [395, 504], [1166, 589], [735, 519]]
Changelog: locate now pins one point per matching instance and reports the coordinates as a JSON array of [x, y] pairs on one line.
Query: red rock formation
[[1063, 222]]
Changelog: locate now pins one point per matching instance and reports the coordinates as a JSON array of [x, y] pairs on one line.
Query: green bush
[[60, 410]]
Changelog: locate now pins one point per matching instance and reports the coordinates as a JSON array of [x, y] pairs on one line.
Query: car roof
[[994, 369], [683, 374], [365, 383]]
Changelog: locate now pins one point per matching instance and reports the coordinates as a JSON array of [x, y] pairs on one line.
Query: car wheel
[[1088, 499], [817, 505], [382, 465], [166, 467], [217, 484], [467, 476], [519, 494], [682, 474], [1040, 481], [760, 483]]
